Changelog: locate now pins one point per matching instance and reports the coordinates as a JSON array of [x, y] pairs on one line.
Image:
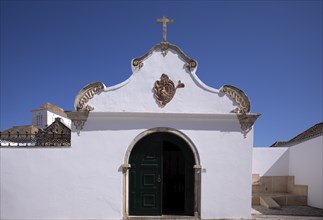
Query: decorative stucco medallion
[[164, 89]]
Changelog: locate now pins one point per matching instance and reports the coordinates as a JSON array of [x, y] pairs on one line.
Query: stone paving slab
[[261, 213], [287, 213]]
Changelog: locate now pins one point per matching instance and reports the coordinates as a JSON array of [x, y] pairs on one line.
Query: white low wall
[[303, 160], [270, 161], [85, 180], [305, 163]]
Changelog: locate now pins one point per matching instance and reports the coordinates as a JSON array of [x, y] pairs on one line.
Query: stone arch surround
[[197, 167]]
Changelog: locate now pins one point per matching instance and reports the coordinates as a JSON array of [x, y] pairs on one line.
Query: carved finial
[[164, 21]]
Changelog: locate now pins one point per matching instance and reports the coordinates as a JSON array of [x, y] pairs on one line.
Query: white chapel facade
[[182, 148], [160, 144]]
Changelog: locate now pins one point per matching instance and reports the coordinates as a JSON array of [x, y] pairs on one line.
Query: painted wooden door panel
[[145, 178], [161, 177]]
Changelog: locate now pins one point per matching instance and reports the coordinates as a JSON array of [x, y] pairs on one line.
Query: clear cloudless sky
[[272, 50]]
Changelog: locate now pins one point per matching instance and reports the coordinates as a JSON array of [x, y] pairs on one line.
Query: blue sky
[[272, 50]]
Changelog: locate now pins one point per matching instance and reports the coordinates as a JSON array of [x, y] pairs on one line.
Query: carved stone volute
[[246, 120], [85, 94], [79, 117], [239, 97]]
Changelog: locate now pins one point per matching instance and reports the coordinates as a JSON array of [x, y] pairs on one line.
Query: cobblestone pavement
[[287, 213]]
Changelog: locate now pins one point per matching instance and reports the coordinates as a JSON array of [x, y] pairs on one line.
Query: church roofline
[[164, 47]]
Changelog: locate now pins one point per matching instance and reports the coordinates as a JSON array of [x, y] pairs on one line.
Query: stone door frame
[[197, 168]]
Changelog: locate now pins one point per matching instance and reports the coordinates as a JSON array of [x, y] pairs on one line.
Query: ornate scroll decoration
[[239, 97], [164, 89], [164, 47], [137, 63], [86, 94], [246, 120], [191, 65]]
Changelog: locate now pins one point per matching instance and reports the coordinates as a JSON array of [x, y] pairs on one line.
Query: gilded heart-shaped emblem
[[164, 90]]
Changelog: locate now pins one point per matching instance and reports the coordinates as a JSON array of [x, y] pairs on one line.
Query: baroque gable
[[163, 81], [155, 78]]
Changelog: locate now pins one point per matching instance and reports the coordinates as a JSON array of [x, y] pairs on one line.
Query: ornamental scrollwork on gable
[[164, 90], [164, 47], [239, 97], [86, 94], [246, 119]]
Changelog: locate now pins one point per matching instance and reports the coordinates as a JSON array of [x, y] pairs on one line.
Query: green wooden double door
[[161, 176]]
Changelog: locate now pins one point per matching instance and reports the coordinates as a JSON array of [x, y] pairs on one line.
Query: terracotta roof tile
[[52, 108], [310, 133]]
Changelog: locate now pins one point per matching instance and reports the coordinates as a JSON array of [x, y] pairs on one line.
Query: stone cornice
[[80, 117], [162, 116]]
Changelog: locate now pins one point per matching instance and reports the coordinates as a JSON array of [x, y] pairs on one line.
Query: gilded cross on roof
[[164, 21]]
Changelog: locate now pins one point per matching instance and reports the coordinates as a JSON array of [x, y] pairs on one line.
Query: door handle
[[158, 178]]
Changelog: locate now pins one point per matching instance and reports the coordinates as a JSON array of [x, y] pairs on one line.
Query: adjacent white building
[[46, 114]]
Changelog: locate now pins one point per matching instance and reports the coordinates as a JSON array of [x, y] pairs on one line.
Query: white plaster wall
[[85, 181], [306, 164], [81, 182], [270, 161], [226, 178]]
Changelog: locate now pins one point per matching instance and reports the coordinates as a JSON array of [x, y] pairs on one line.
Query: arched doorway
[[161, 178]]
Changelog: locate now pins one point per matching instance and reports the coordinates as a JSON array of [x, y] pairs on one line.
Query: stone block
[[300, 190], [280, 184], [280, 199], [296, 200], [267, 183], [257, 188], [290, 184], [255, 178]]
